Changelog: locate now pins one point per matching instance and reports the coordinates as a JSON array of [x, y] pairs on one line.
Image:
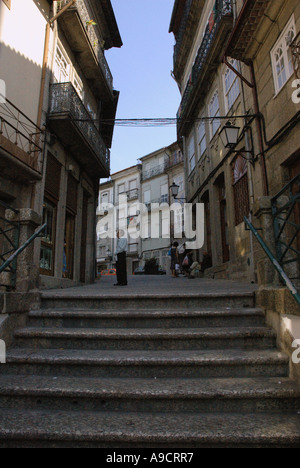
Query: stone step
[[146, 364], [150, 395], [178, 301], [147, 339], [44, 428], [147, 318]]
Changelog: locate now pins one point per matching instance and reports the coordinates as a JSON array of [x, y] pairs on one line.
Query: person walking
[[174, 259], [121, 251]]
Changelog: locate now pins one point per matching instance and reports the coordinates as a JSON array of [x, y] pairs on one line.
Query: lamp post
[[174, 191], [230, 138]]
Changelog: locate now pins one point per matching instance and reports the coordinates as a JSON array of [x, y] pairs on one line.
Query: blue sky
[[142, 73]]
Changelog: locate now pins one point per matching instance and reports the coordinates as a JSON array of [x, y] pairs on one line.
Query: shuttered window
[[240, 190], [53, 173]]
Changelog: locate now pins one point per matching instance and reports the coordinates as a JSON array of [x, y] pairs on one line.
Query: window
[[78, 85], [231, 86], [164, 192], [202, 137], [61, 66], [240, 190], [281, 55], [147, 196], [214, 111], [121, 189], [191, 154], [104, 201]]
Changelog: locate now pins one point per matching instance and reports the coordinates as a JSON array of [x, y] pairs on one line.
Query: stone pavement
[[158, 285]]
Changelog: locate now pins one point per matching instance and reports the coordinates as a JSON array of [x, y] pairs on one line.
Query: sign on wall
[[7, 3]]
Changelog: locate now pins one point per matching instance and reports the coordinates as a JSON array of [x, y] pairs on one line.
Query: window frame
[[281, 42], [212, 130], [65, 56], [235, 82], [202, 139], [191, 154]]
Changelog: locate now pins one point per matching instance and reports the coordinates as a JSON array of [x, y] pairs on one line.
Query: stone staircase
[[191, 371]]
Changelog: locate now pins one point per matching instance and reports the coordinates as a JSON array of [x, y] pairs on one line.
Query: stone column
[[267, 274], [27, 271]]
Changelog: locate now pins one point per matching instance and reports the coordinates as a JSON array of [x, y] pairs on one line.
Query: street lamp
[[230, 135], [174, 191]]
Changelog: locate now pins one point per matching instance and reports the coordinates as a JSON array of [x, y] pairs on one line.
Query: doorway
[[223, 219], [69, 246]]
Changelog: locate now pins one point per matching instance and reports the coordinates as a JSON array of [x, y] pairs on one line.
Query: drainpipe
[[43, 79], [260, 133]]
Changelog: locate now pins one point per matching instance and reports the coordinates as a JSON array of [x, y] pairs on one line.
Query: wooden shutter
[[53, 173]]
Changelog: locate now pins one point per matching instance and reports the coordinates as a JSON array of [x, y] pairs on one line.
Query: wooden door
[[69, 244], [224, 222]]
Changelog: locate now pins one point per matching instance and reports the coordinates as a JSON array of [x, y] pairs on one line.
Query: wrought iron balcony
[[182, 28], [208, 52], [155, 171], [133, 194], [85, 42], [73, 125], [21, 142]]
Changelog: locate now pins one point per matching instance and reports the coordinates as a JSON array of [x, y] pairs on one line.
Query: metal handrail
[[286, 241], [275, 262], [18, 251]]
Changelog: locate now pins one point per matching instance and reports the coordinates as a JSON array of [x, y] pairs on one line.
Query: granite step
[[146, 364], [181, 301], [186, 318], [235, 395], [147, 339], [54, 429]]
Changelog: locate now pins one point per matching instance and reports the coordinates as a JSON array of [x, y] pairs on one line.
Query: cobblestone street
[[159, 285]]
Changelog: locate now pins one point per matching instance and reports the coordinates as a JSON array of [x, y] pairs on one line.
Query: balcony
[[21, 145], [87, 47], [71, 122], [184, 24], [247, 29], [175, 160], [207, 61], [133, 194], [155, 171]]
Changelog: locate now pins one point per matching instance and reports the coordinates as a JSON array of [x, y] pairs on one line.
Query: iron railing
[[9, 246], [95, 41], [65, 100], [133, 194], [289, 284], [224, 8], [9, 243], [286, 215], [155, 171], [20, 136], [182, 28]]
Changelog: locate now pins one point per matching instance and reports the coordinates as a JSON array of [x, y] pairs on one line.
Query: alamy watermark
[[296, 93], [2, 92], [296, 354], [153, 221], [2, 352]]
